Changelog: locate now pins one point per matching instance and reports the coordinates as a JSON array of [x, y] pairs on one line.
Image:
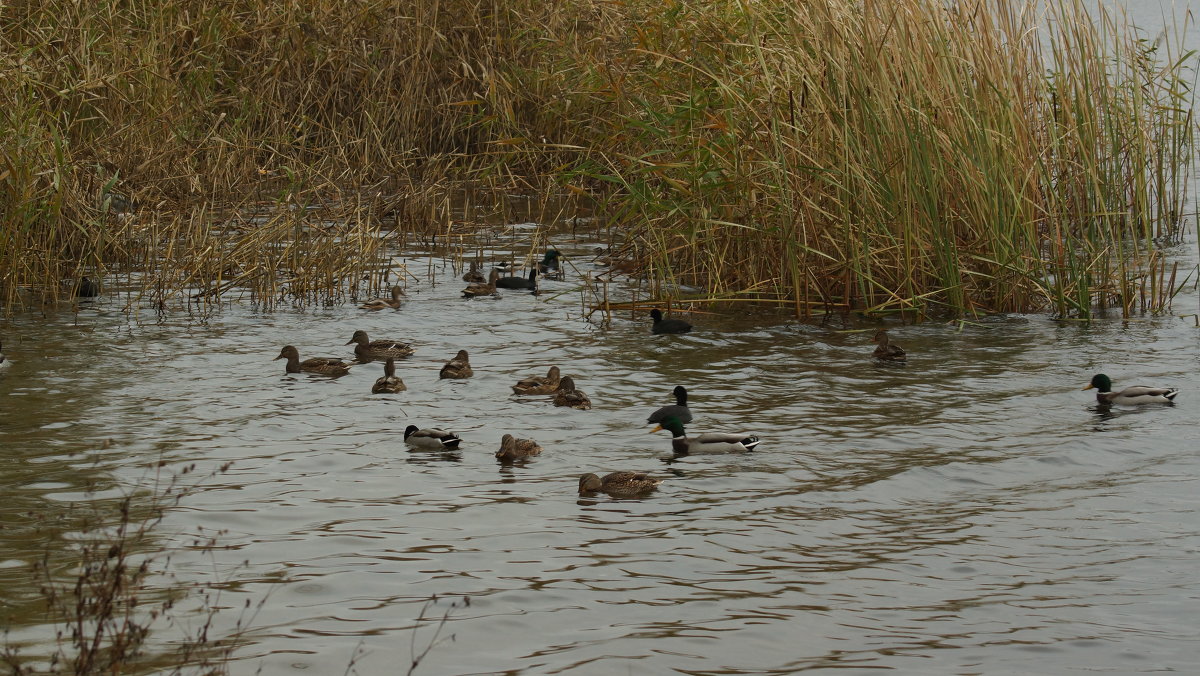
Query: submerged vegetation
[[911, 156]]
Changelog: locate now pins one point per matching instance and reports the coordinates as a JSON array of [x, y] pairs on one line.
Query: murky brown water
[[972, 512]]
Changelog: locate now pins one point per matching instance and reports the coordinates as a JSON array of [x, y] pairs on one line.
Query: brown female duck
[[512, 448], [487, 289], [329, 366], [618, 484], [538, 384], [567, 395], [459, 367], [390, 383], [384, 303], [366, 349], [886, 351], [474, 275]]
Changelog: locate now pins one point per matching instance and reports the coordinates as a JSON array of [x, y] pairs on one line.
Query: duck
[[512, 448], [87, 288], [383, 303], [118, 203], [567, 395], [519, 282], [1130, 396], [459, 367], [538, 384], [886, 351], [677, 410], [712, 442], [487, 289], [618, 484], [4, 361], [390, 383], [329, 366], [474, 275], [668, 325], [366, 349], [430, 438], [549, 262]]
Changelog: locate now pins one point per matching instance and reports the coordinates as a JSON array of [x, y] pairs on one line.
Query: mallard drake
[[886, 351], [430, 438], [712, 442], [512, 448], [4, 362], [366, 349], [459, 367], [384, 303], [567, 395], [668, 325], [329, 366], [389, 383], [549, 263], [618, 484], [474, 275], [538, 384], [1135, 394], [519, 282], [487, 289], [679, 410], [86, 288]]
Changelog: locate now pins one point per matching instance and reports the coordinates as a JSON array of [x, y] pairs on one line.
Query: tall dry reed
[[914, 155]]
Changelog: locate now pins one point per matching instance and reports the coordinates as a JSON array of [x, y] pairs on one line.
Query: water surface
[[971, 512]]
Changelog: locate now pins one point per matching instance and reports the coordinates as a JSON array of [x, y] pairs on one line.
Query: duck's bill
[[1090, 386], [656, 429]]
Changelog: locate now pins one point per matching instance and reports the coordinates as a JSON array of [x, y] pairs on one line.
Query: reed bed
[[913, 157]]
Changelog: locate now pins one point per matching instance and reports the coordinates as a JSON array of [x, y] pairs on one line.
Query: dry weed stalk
[[912, 156], [103, 601]]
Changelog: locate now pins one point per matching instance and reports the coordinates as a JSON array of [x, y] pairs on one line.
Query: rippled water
[[971, 512]]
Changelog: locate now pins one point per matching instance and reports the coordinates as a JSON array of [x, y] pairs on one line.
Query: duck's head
[[672, 425], [389, 368], [553, 373], [461, 356], [590, 483], [288, 352], [1100, 382], [493, 276], [680, 395], [359, 337], [566, 384], [881, 337], [397, 292], [408, 431], [656, 315]]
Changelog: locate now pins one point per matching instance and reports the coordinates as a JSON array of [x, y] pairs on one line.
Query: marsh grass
[[913, 157], [910, 156]]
